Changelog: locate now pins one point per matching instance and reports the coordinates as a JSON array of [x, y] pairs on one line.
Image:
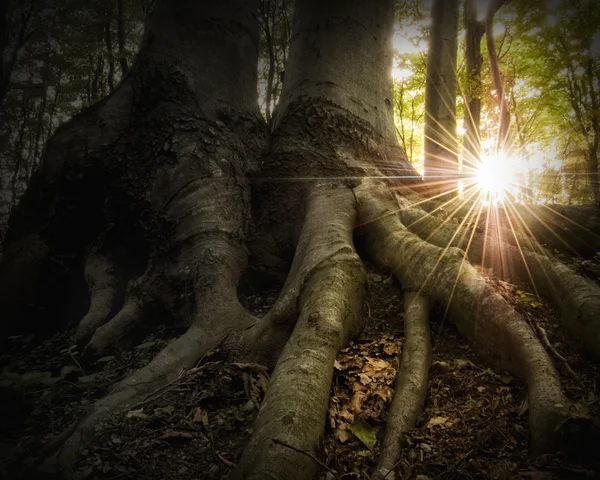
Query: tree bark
[[504, 126], [148, 193], [122, 37], [109, 47], [441, 149], [474, 33], [10, 52]]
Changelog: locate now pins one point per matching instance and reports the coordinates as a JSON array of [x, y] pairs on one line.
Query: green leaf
[[364, 432]]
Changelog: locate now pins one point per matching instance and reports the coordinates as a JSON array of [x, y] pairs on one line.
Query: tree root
[[411, 383], [102, 284], [295, 405], [481, 315], [577, 299], [183, 353]]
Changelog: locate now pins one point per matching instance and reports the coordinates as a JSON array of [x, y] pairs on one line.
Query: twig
[[76, 362], [309, 455], [544, 337], [392, 469]]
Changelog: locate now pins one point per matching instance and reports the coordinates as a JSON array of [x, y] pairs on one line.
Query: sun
[[495, 176]]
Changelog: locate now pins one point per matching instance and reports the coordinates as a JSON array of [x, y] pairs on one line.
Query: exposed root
[[479, 312], [108, 337], [577, 298], [102, 284], [295, 405], [411, 383], [263, 343]]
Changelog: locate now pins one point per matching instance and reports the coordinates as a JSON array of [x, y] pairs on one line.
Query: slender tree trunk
[[503, 130], [122, 37], [109, 47], [474, 33], [441, 157], [595, 132], [9, 52]]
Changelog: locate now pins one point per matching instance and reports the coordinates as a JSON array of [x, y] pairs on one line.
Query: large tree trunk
[[146, 195], [147, 189], [441, 149]]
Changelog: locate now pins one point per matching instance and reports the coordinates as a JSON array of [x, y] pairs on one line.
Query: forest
[[292, 239]]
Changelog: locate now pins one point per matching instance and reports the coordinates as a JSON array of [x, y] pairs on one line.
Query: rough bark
[[156, 178], [577, 298], [411, 383], [121, 34], [109, 47], [503, 130], [481, 315], [294, 409], [473, 59], [157, 173], [10, 47], [441, 149]]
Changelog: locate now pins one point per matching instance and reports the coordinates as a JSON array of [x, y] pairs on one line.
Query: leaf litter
[[474, 424]]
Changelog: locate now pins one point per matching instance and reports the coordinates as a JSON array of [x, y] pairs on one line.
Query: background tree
[[441, 148]]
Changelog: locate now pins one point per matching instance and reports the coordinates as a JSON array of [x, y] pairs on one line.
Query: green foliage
[[548, 53], [62, 67]]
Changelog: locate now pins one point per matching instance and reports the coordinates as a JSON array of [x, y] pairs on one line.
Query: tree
[[441, 149], [159, 191], [475, 29], [503, 131]]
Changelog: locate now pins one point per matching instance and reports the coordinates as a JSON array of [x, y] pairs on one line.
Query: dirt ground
[[474, 424]]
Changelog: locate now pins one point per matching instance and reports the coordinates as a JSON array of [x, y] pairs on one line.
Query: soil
[[474, 423]]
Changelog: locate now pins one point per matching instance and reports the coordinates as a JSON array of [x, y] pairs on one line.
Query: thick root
[[290, 424], [411, 383], [577, 298], [102, 284], [166, 367], [479, 312], [107, 338]]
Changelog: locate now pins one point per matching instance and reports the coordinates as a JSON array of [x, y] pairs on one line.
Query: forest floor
[[474, 424]]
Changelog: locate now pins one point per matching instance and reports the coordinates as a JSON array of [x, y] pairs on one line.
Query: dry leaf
[[391, 348], [137, 414], [436, 421], [201, 416], [357, 401], [346, 415], [343, 435]]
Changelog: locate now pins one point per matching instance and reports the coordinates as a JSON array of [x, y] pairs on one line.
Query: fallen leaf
[[137, 414], [436, 421], [145, 345], [391, 348], [357, 401], [201, 416], [175, 435], [343, 435], [110, 358], [364, 432], [346, 415]]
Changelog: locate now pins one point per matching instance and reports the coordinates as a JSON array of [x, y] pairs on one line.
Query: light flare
[[495, 176]]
